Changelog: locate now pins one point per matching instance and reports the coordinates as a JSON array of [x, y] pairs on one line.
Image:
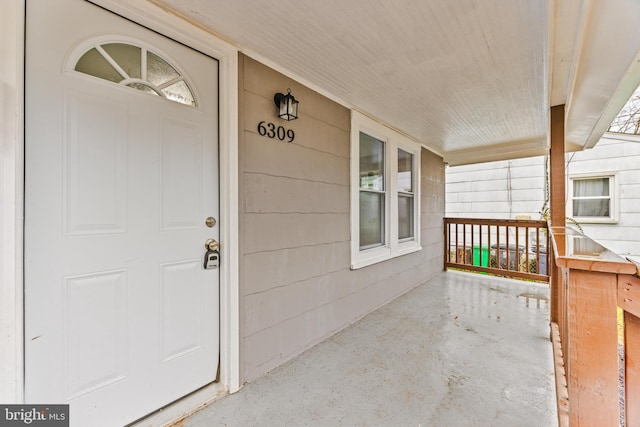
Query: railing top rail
[[574, 250], [493, 221]]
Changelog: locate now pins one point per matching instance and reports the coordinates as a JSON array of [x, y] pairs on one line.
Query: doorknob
[[211, 245]]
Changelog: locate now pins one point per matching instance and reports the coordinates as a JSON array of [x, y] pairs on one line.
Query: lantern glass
[[292, 108], [283, 108], [287, 106]]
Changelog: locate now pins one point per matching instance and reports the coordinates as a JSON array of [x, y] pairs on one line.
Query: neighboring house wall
[[620, 155], [502, 189], [507, 189], [297, 287]]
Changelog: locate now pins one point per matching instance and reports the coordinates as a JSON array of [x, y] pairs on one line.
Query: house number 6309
[[270, 130]]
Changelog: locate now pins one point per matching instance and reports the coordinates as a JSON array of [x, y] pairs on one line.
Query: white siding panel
[[630, 192], [459, 187], [632, 177], [518, 190]]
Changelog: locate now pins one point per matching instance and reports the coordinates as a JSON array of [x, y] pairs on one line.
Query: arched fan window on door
[[137, 68]]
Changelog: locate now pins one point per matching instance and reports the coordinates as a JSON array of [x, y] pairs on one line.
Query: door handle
[[211, 245]]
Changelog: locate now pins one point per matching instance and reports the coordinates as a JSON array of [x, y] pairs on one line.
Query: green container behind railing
[[477, 251]]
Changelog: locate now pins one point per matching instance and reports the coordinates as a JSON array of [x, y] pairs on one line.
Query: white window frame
[[392, 247], [613, 197]]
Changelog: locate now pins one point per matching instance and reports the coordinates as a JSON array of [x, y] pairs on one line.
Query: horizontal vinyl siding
[[297, 287], [294, 195], [274, 231], [623, 158], [502, 189], [482, 190]]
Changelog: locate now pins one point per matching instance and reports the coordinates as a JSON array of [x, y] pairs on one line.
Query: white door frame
[[12, 21]]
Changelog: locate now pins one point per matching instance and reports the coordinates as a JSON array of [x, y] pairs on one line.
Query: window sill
[[591, 220], [366, 258]]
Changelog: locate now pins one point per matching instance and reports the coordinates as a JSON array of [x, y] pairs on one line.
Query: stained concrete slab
[[459, 350]]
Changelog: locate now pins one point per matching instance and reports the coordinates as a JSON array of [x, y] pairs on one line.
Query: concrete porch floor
[[459, 350]]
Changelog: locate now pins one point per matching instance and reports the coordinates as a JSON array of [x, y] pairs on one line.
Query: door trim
[[11, 201], [12, 184]]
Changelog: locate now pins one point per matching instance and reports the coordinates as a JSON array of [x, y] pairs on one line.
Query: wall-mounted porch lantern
[[287, 106]]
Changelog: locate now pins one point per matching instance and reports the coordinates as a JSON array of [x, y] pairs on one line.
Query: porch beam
[[557, 201], [557, 188]]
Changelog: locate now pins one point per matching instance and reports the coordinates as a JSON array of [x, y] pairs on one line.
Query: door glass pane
[[405, 216], [591, 207], [161, 77], [591, 187], [405, 178], [371, 219], [143, 88], [94, 64], [126, 56], [371, 163], [158, 70], [180, 92]]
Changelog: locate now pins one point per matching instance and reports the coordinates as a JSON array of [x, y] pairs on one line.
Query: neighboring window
[[137, 68], [385, 187], [592, 199]]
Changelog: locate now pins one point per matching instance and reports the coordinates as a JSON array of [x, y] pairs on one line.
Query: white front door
[[121, 173]]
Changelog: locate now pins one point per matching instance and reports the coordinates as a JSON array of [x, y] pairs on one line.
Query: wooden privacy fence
[[511, 248], [588, 284]]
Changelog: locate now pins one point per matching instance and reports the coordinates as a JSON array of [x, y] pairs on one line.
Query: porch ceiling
[[472, 80]]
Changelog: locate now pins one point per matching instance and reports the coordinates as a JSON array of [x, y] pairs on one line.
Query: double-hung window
[[385, 215], [592, 198], [373, 192], [405, 195]]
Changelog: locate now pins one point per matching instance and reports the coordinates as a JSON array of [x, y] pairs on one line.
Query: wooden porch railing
[[588, 284], [511, 248]]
